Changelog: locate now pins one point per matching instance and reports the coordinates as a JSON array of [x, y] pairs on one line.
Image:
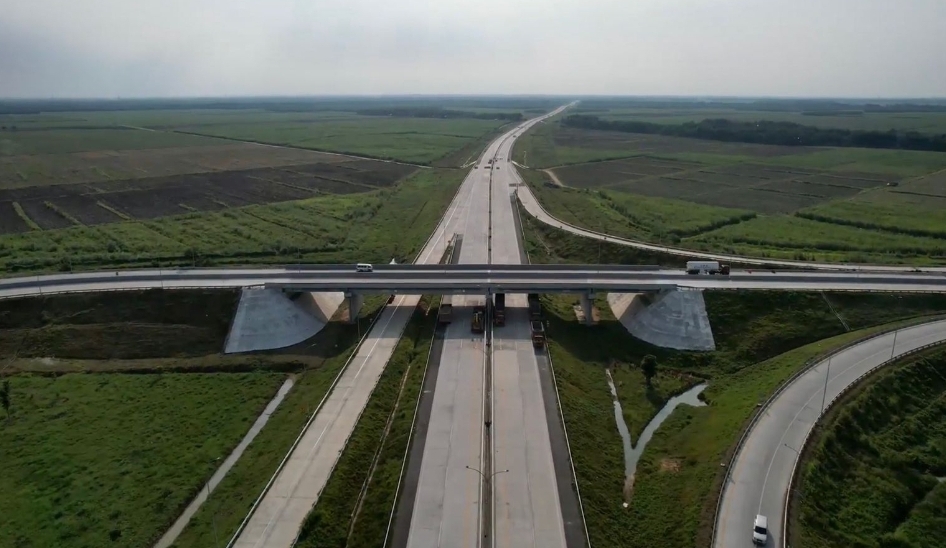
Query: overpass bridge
[[584, 280]]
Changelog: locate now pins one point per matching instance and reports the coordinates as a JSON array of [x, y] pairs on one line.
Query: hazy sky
[[156, 48]]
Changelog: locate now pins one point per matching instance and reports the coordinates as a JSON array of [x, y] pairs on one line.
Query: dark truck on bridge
[[538, 334], [478, 325], [499, 309]]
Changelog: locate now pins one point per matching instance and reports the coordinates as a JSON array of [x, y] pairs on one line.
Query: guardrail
[[763, 407], [302, 432], [808, 436]]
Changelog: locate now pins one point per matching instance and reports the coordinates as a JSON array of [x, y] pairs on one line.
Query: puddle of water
[[632, 453]]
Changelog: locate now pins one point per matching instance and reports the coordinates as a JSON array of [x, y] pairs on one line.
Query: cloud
[[273, 47]]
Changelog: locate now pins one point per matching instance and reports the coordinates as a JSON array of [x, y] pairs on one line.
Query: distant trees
[[649, 367], [437, 112], [5, 396], [769, 133]]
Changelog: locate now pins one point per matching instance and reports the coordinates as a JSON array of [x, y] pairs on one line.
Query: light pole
[[487, 477], [824, 395]]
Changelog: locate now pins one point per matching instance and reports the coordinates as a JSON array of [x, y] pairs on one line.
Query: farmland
[[403, 137], [332, 228], [872, 473], [824, 204]]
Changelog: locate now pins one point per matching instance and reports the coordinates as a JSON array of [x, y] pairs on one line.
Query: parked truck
[[535, 307], [478, 325], [707, 267], [499, 309], [538, 334]]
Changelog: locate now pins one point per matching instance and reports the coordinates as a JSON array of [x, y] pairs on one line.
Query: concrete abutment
[[671, 318]]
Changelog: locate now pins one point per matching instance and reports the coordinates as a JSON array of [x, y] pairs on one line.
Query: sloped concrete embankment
[[669, 319], [267, 319]]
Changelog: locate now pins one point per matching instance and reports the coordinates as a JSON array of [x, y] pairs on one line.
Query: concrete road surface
[[763, 466], [448, 503], [527, 509]]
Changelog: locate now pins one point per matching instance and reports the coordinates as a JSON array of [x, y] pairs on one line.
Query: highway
[[762, 470], [276, 518], [531, 204], [526, 504], [473, 278], [448, 505]]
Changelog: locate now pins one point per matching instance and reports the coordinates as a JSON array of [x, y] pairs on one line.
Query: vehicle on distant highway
[[707, 267], [760, 530], [364, 267]]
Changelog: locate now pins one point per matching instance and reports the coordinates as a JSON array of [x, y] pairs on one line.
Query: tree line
[[769, 133], [436, 112]]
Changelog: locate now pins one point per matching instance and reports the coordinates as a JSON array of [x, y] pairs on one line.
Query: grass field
[[357, 501], [419, 140], [675, 482], [823, 204], [639, 217], [796, 237], [871, 476], [95, 460], [886, 210], [375, 227], [117, 326], [70, 326], [761, 338]]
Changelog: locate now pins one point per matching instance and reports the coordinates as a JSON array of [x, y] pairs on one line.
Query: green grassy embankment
[[872, 474], [354, 507], [96, 460], [762, 338], [325, 356]]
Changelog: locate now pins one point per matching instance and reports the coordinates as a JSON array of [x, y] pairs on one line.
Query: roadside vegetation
[[355, 505], [120, 404], [761, 339], [873, 473], [96, 460]]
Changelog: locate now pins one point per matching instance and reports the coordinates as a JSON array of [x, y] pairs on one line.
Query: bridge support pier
[[587, 307], [355, 301]]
